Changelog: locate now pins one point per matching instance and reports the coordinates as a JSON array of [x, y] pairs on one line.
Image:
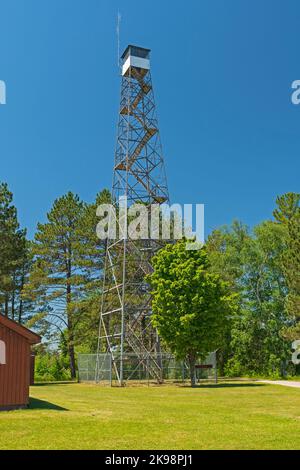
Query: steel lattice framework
[[139, 175]]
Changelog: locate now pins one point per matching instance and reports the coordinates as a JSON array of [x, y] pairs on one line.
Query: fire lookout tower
[[138, 177]]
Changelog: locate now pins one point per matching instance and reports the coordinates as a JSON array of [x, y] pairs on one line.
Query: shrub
[[51, 367]]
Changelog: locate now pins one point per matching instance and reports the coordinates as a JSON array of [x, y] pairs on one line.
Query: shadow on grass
[[36, 404], [226, 385]]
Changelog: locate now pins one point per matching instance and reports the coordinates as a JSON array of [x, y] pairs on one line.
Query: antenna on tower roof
[[118, 38]]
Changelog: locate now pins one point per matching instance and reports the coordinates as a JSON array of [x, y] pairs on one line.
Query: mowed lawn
[[228, 416]]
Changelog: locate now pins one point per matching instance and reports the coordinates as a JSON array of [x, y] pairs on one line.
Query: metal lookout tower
[[139, 176]]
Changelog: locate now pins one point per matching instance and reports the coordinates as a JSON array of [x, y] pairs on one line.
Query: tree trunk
[[70, 319], [221, 362], [13, 305], [20, 311], [192, 362], [6, 305], [71, 340], [21, 300], [72, 358]]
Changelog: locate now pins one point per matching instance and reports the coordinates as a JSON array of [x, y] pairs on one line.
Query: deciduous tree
[[191, 305]]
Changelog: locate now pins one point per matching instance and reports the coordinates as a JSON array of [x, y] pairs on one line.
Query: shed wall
[[15, 374]]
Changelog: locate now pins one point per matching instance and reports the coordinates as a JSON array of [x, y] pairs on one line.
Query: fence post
[[216, 367], [96, 369], [110, 369]]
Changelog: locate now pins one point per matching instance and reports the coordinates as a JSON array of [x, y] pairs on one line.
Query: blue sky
[[222, 73]]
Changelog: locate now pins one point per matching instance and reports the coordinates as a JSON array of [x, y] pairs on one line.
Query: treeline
[[263, 267], [53, 284]]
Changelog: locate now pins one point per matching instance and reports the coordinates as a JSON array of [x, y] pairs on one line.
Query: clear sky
[[222, 73]]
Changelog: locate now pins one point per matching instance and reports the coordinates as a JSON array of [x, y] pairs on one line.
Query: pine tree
[[66, 270], [13, 257], [92, 262], [288, 205]]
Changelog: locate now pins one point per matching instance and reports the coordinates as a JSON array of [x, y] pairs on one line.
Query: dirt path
[[287, 383]]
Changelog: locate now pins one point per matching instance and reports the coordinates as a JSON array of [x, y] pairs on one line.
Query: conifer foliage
[[67, 263], [14, 259]]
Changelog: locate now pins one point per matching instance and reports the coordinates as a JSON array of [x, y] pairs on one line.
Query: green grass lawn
[[228, 416]]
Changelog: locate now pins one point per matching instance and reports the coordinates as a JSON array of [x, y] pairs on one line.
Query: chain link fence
[[100, 368]]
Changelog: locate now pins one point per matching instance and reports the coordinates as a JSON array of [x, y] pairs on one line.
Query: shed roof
[[31, 337]]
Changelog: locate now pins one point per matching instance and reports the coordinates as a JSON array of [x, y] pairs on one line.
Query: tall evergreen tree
[[66, 270], [91, 260], [13, 257]]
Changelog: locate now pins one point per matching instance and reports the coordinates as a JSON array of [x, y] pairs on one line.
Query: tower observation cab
[[135, 58]]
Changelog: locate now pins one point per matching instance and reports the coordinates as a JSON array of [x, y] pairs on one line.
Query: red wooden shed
[[15, 363]]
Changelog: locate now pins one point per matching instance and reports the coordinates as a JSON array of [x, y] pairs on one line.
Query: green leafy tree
[[225, 247], [191, 305], [253, 265], [288, 215], [51, 366]]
